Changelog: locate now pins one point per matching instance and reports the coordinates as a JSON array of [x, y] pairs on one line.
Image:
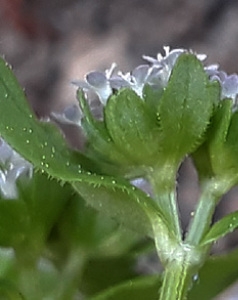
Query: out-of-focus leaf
[[123, 202], [87, 229], [44, 199], [102, 273], [26, 221], [218, 273], [14, 222], [8, 291], [142, 288]]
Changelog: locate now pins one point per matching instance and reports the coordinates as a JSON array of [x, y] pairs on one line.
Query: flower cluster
[[99, 86], [12, 166], [155, 73], [229, 83]]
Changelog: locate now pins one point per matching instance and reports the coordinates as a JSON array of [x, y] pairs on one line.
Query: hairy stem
[[164, 189], [212, 191], [183, 264]]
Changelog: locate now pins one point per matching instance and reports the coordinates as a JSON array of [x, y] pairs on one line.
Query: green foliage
[[39, 142], [121, 201], [101, 273], [141, 288], [211, 159], [14, 222], [62, 248], [99, 143], [65, 164], [221, 228], [8, 291], [82, 227], [25, 223], [208, 283], [132, 126], [218, 273], [186, 107]]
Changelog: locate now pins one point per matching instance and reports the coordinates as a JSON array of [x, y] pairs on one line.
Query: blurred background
[[51, 42]]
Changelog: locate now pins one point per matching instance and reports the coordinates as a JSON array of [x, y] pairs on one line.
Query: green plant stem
[[212, 191], [168, 203], [175, 256], [184, 263], [202, 220], [183, 259], [175, 283], [163, 185]]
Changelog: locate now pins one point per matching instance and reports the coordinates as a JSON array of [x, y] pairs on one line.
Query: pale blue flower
[[97, 82], [99, 86], [12, 166], [229, 85], [71, 115]]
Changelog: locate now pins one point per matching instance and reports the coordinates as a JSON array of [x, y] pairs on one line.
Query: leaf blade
[[131, 126], [39, 142], [221, 228], [118, 199], [141, 288], [186, 106]]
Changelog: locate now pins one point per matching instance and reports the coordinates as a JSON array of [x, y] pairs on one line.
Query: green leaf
[[8, 291], [100, 146], [38, 281], [118, 199], [132, 127], [102, 273], [217, 274], [186, 107], [83, 227], [14, 222], [217, 138], [210, 157], [220, 123], [43, 145], [40, 143], [217, 157], [152, 97], [45, 200], [142, 288], [27, 221], [231, 140], [221, 228]]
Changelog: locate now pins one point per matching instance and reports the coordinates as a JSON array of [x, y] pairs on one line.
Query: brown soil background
[[51, 42]]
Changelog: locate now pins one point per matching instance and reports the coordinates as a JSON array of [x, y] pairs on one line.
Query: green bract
[[217, 157], [186, 107], [164, 125]]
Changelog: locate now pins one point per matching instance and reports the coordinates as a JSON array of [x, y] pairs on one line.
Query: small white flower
[[12, 167], [71, 115], [163, 65], [155, 73], [229, 84], [230, 87], [98, 82]]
